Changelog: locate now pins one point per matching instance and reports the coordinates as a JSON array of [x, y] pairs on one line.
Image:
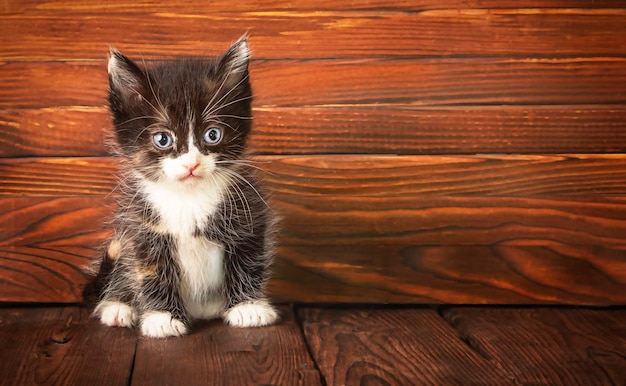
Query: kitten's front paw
[[160, 324], [116, 314], [255, 313]]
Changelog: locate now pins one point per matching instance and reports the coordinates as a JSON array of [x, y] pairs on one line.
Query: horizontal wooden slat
[[395, 129], [73, 131], [340, 220], [328, 220], [330, 34], [125, 6], [488, 175], [560, 274], [355, 175], [45, 274], [362, 82], [53, 222], [436, 220], [593, 275]]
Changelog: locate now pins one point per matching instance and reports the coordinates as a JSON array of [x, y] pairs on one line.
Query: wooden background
[[457, 151]]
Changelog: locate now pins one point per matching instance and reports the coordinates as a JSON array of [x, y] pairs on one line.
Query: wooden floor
[[325, 346]]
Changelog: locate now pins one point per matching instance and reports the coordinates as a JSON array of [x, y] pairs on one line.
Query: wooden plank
[[220, 355], [306, 35], [494, 250], [368, 220], [484, 175], [351, 129], [129, 6], [561, 274], [547, 346], [355, 175], [53, 222], [75, 131], [62, 346], [44, 274], [441, 82], [439, 220], [392, 347], [405, 129]]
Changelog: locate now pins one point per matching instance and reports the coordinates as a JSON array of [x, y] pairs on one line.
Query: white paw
[[116, 314], [160, 324], [254, 313]]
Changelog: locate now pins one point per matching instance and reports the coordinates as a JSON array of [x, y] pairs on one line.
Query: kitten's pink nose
[[192, 166]]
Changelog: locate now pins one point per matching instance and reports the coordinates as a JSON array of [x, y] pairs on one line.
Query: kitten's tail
[[97, 274]]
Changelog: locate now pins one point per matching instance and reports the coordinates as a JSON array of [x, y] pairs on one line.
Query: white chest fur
[[183, 210]]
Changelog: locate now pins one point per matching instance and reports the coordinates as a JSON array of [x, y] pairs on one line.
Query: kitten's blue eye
[[162, 140], [212, 136]]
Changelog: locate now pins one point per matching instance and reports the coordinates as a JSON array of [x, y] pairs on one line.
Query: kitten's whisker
[[218, 108], [137, 118], [207, 107], [213, 110], [163, 111], [238, 176], [246, 163], [221, 123], [229, 116], [244, 201]]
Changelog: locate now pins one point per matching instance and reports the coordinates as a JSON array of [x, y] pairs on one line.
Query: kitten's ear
[[234, 63], [126, 80]]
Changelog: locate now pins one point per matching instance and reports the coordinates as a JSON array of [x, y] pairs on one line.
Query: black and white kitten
[[193, 232]]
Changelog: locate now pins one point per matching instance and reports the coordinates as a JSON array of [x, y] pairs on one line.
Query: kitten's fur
[[193, 232]]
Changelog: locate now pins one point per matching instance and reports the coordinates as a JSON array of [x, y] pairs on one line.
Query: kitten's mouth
[[190, 177]]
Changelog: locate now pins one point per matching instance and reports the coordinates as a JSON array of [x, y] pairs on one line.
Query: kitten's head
[[181, 122]]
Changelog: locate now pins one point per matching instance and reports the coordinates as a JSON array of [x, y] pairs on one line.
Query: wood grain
[[220, 355], [355, 175], [306, 35], [68, 132], [493, 250], [425, 82], [44, 274], [53, 222], [340, 87], [392, 347], [129, 6], [371, 220], [560, 274], [62, 346], [83, 131], [547, 346], [439, 220]]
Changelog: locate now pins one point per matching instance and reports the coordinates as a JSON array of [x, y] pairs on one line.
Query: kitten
[[193, 233]]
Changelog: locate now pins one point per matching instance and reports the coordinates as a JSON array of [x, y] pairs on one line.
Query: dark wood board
[[129, 6], [288, 83], [62, 346], [385, 129], [217, 354], [482, 249], [314, 35], [392, 347], [548, 346], [367, 220], [560, 274], [44, 274], [439, 220], [355, 175], [591, 275]]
